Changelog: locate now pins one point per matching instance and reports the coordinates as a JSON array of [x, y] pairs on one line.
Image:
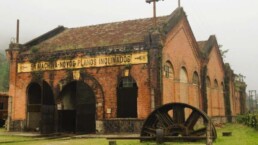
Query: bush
[[250, 120]]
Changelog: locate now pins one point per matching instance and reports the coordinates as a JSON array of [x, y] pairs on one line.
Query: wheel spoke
[[150, 131], [182, 122], [192, 119], [199, 132], [164, 119], [179, 114]]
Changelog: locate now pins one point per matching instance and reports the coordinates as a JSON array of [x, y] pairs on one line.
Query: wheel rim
[[177, 119]]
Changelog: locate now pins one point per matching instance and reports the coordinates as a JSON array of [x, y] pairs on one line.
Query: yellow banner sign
[[85, 62]]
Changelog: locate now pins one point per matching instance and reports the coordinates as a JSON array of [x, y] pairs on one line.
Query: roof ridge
[[117, 22]]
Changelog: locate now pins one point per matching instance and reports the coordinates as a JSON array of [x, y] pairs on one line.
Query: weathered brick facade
[[172, 72]]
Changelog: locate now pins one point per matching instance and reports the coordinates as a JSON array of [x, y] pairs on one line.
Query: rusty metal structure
[[178, 121]]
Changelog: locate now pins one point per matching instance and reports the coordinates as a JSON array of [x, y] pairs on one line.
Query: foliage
[[4, 73], [250, 120], [223, 53]]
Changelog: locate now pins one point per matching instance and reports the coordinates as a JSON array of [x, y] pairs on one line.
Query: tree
[[223, 53], [4, 73]]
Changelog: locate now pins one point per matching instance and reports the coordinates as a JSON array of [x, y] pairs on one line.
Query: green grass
[[241, 135]]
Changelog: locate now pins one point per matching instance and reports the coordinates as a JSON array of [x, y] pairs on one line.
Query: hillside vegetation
[[4, 73]]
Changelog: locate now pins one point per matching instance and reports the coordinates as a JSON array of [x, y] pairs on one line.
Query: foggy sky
[[234, 22]]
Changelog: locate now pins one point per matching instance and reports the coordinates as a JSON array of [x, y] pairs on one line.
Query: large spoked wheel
[[178, 120]]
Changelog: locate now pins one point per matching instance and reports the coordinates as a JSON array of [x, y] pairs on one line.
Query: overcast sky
[[234, 22]]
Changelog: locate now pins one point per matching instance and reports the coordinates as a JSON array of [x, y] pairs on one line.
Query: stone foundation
[[116, 125], [122, 125], [17, 125], [222, 119]]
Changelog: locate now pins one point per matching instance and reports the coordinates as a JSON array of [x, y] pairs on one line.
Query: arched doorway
[[40, 108], [48, 110], [33, 106], [127, 92], [77, 108]]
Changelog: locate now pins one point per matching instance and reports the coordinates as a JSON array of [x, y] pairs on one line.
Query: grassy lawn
[[241, 135]]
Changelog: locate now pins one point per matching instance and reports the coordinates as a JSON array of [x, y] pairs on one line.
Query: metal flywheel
[[178, 121]]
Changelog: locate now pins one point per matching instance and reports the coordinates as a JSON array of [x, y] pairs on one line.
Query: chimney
[[17, 31]]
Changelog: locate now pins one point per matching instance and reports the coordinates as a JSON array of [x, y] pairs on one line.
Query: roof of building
[[205, 47], [110, 34], [201, 45]]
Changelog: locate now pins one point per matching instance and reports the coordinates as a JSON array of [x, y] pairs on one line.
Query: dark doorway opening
[[34, 107], [78, 109], [47, 110], [127, 98]]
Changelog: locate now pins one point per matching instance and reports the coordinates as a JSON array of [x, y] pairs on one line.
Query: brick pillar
[[12, 54]]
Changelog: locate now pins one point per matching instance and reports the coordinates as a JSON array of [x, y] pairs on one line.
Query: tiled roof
[[118, 33], [110, 34], [206, 46], [201, 45]]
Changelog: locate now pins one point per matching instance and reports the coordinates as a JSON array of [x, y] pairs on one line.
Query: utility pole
[[17, 31], [252, 100], [154, 11]]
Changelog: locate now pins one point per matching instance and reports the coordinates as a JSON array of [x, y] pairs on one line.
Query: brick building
[[109, 77]]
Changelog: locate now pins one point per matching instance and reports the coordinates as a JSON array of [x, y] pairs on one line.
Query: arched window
[[195, 78], [127, 82], [216, 85], [209, 99], [208, 82], [222, 86], [168, 70], [183, 75], [183, 86], [127, 92]]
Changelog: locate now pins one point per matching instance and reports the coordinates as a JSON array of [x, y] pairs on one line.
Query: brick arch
[[184, 86], [34, 97], [216, 84], [169, 69], [94, 85], [122, 75], [209, 96], [183, 75], [195, 78], [216, 98], [208, 82], [127, 96], [194, 88], [222, 86], [168, 82]]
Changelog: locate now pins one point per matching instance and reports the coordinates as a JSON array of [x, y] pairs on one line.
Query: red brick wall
[[237, 103], [215, 72], [181, 52], [106, 78]]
